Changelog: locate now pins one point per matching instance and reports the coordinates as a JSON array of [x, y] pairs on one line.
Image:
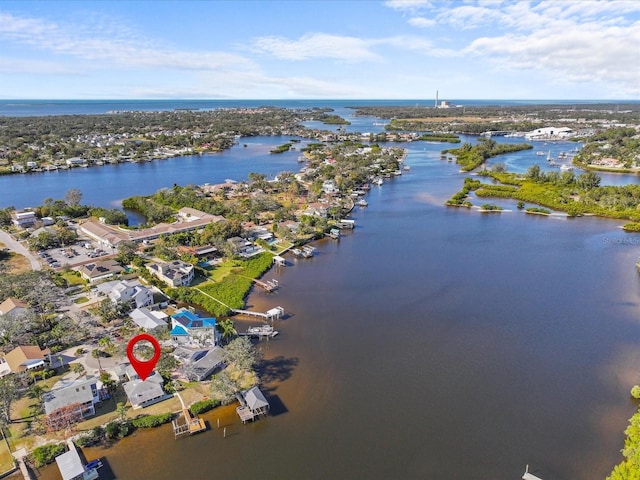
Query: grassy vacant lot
[[15, 263], [6, 460]]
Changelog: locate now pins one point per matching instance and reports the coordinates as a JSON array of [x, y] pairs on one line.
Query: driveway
[[18, 248]]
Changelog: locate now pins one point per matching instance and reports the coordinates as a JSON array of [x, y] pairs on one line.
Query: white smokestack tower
[[436, 104]]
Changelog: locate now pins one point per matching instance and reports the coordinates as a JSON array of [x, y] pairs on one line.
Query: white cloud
[[469, 16], [243, 85], [568, 42], [109, 44], [316, 45], [10, 65], [422, 22], [408, 5], [580, 54]]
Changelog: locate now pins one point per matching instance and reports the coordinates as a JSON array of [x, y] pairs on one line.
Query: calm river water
[[428, 343]]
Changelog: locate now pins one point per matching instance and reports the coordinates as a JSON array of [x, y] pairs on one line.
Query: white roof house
[[24, 219], [144, 393], [176, 273], [125, 291], [148, 319]]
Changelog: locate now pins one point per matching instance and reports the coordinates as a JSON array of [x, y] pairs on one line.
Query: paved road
[[18, 248]]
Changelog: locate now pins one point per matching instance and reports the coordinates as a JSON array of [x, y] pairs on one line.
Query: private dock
[[191, 424], [346, 223], [253, 405], [307, 251], [269, 285], [334, 233], [529, 476], [271, 314]]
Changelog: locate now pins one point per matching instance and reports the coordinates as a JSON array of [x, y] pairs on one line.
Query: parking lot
[[79, 253]]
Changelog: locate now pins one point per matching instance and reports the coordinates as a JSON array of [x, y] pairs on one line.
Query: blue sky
[[338, 49]]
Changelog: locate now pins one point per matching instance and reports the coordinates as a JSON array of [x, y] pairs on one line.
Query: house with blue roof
[[189, 328]]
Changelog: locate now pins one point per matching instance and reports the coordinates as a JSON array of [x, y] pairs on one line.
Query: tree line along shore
[[30, 144]]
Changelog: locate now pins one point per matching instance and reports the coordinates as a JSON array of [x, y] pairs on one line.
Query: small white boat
[[362, 203], [261, 330]]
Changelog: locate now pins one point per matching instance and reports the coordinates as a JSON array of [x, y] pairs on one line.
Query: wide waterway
[[430, 342]]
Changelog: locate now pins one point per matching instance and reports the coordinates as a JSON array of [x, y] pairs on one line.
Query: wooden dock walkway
[[191, 425], [272, 314], [269, 285]]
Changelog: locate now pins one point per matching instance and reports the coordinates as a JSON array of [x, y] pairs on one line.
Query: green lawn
[[220, 271], [73, 278]]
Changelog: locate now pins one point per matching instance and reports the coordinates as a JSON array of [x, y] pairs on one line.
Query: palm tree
[[78, 369], [227, 329], [121, 410], [107, 345], [96, 353]]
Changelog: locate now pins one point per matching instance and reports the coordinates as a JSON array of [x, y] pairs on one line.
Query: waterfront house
[[189, 328], [243, 247], [13, 308], [97, 271], [176, 273], [75, 162], [148, 319], [198, 364], [141, 393], [24, 219], [329, 187], [201, 252], [82, 392], [127, 291], [26, 358]]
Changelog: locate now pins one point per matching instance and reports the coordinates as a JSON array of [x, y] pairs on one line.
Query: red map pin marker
[[143, 369]]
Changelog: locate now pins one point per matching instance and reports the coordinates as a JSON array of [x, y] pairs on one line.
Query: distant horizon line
[[448, 99]]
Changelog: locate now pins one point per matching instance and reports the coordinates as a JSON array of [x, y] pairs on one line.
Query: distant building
[[24, 219], [75, 161], [176, 273], [189, 219], [547, 133]]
